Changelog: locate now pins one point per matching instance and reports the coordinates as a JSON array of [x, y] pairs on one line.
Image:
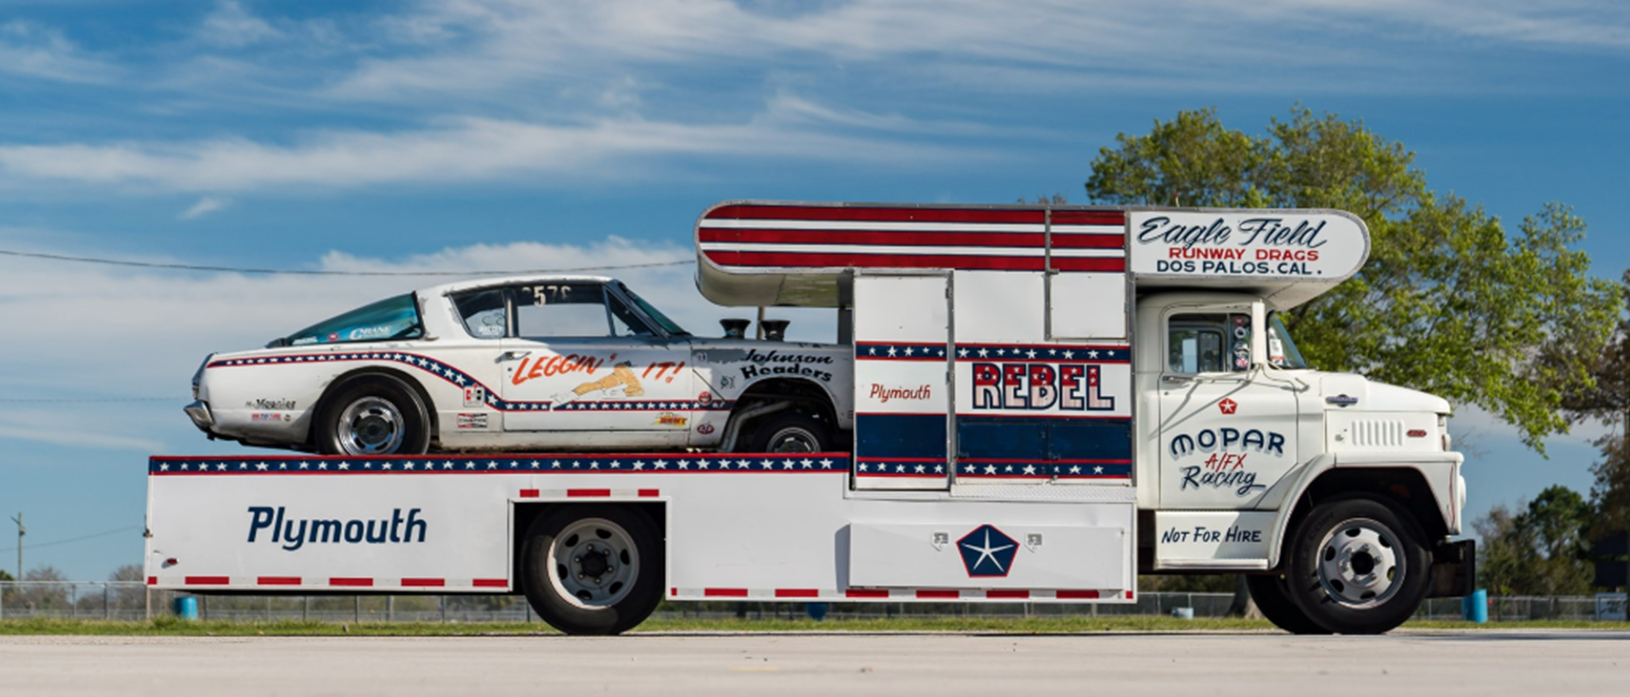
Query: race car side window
[[484, 313], [546, 310]]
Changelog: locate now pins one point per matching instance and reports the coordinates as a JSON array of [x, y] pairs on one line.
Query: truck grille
[[1378, 433]]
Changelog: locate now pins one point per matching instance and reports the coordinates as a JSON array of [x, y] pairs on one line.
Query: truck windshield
[[1281, 350], [668, 325], [392, 318]]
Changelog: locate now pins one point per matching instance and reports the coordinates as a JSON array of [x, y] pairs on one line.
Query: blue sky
[[488, 134]]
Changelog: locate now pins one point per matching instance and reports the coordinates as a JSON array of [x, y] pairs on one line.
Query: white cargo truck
[[1046, 402]]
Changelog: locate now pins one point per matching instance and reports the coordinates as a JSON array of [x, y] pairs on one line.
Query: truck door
[[902, 381], [580, 360], [1226, 433]]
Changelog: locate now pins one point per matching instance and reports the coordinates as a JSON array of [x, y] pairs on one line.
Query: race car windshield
[[392, 318], [667, 325]]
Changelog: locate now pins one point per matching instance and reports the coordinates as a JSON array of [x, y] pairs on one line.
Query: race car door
[[579, 359]]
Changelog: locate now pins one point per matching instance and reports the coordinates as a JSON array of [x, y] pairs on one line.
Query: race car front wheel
[[593, 569], [373, 415]]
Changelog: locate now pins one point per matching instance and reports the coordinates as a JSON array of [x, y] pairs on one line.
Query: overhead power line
[[314, 272], [71, 540], [98, 400]]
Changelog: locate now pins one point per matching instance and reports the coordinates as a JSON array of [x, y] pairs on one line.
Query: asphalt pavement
[[1488, 662]]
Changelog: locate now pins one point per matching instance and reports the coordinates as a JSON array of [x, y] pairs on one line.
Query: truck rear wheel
[[1358, 566], [593, 569], [1272, 598]]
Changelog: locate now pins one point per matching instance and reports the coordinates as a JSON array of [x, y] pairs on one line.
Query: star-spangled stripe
[[534, 464], [461, 379], [1008, 353]]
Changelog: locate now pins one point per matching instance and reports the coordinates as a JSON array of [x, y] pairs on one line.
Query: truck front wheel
[[593, 569], [1274, 601], [1358, 566]]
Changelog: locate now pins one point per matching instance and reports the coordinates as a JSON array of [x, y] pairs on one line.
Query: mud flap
[[1454, 569]]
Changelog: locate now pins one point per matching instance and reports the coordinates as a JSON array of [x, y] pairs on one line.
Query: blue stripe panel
[[1023, 438], [900, 435]]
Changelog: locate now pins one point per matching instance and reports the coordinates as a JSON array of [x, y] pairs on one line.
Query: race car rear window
[[390, 319]]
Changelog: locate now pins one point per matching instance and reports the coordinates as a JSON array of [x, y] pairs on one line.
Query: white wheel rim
[[1359, 563], [593, 563], [371, 426]]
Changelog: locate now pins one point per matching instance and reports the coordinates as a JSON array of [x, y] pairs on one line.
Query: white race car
[[533, 363]]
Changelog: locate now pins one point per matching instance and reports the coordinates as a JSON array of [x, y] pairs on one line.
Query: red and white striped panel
[[288, 583], [586, 493], [839, 237], [902, 595]]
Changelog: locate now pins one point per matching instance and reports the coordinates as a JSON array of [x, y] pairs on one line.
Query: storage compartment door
[[902, 381]]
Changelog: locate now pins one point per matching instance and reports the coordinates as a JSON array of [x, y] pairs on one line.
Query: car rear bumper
[[199, 413]]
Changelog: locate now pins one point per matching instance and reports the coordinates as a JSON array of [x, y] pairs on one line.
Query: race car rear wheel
[[593, 569], [791, 432], [373, 415]]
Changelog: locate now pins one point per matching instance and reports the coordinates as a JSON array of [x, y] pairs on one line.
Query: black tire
[[373, 415], [568, 538], [1358, 565], [1268, 591], [791, 432]]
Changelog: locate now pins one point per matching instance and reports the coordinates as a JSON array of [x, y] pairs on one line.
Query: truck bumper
[[1454, 569]]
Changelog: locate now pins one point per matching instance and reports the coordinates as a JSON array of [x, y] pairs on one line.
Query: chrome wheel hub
[[371, 426], [1359, 563]]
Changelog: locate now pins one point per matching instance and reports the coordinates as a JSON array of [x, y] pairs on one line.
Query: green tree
[[1607, 399], [1543, 550], [1450, 302]]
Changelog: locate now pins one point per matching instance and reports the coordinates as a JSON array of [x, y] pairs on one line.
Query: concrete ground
[[1488, 662]]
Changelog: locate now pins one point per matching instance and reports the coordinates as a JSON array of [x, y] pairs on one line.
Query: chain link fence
[[117, 600]]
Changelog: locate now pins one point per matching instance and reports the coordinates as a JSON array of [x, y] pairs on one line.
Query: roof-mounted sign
[[1309, 245]]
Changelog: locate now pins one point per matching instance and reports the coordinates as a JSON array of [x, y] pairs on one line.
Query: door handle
[[512, 355], [1177, 379]]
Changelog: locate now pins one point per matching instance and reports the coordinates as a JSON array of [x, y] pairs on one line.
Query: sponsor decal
[[475, 396], [369, 333], [272, 525], [671, 419], [1224, 469], [884, 393], [705, 397], [727, 381], [1341, 400], [776, 362], [987, 552], [1064, 386], [550, 366], [302, 341], [271, 404], [704, 429], [268, 417], [333, 337], [699, 357], [472, 421], [1227, 406], [1201, 533]]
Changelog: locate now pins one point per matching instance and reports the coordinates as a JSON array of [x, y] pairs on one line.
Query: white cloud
[[464, 150], [204, 206], [30, 50], [232, 26]]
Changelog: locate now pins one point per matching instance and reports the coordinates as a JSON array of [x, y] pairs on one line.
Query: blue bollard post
[[186, 607], [1475, 607]]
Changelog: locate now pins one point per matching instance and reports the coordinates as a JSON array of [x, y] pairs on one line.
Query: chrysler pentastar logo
[[987, 552], [1227, 406]]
